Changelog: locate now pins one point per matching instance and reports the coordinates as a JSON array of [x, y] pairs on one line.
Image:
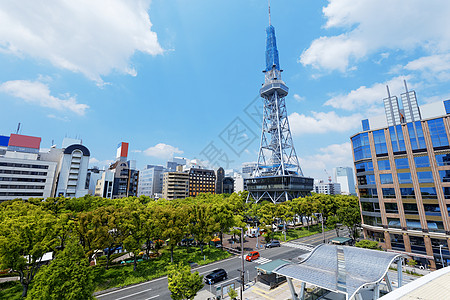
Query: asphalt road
[[157, 288]]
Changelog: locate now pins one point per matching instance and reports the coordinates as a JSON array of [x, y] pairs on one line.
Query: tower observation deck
[[277, 176]]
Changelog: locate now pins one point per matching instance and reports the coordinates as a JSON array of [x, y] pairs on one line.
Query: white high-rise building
[[151, 181], [344, 176], [328, 188]]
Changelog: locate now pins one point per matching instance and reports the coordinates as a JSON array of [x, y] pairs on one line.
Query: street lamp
[[440, 252], [242, 258], [323, 231]]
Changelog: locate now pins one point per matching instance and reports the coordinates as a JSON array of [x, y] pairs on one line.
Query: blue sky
[[177, 77]]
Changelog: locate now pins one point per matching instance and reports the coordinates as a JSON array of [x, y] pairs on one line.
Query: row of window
[[436, 226], [22, 187], [22, 179], [23, 172], [24, 194], [436, 129], [405, 193], [409, 208], [402, 163], [17, 165]]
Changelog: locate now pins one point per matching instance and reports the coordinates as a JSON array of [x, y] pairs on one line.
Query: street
[[157, 288]]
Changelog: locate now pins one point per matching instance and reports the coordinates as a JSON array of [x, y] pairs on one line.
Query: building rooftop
[[340, 269], [435, 285]]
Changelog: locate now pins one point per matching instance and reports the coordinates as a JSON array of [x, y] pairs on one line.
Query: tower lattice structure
[[277, 154], [277, 176]]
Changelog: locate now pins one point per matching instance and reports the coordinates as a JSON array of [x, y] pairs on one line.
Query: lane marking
[[119, 290], [152, 297], [127, 296]]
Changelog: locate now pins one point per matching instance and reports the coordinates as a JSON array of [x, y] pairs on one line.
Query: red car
[[252, 256]]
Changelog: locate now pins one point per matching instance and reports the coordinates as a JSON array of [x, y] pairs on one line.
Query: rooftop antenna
[[389, 94], [270, 22], [406, 86], [18, 128]]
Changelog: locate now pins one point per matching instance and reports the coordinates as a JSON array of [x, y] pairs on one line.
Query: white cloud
[[162, 151], [432, 67], [93, 160], [299, 98], [90, 37], [335, 155], [365, 97], [36, 92], [378, 25], [321, 122], [59, 118]]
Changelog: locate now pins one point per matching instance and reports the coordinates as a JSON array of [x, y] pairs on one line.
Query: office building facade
[[151, 181], [175, 185], [345, 177], [402, 165], [328, 188], [201, 181]]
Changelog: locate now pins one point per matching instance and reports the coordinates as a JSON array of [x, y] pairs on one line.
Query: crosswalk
[[261, 260], [298, 245]]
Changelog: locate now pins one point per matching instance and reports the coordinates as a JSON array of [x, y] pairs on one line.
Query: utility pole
[[242, 259], [323, 231]]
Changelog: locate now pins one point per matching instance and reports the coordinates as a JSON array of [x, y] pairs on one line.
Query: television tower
[[277, 176]]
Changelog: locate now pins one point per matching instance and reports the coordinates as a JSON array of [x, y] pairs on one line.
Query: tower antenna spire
[[270, 22]]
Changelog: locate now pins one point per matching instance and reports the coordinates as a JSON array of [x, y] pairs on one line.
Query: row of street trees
[[29, 229]]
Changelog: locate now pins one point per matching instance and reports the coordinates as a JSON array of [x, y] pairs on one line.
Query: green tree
[[133, 225], [232, 293], [67, 277], [182, 283], [26, 233], [368, 244], [201, 222], [172, 221], [350, 215]]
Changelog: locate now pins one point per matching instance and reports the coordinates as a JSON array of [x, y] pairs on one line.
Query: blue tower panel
[[272, 58], [4, 140], [365, 124], [447, 106]]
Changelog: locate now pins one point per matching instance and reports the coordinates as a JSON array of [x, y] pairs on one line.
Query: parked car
[[252, 256], [273, 243], [215, 276]]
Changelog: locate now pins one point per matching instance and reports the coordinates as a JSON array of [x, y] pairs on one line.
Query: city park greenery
[[159, 228]]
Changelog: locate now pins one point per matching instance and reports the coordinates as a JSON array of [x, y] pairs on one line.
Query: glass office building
[[402, 165]]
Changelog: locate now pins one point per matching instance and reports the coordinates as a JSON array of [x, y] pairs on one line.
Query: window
[[428, 192], [425, 177], [366, 179], [437, 133], [446, 192], [407, 192], [397, 242], [416, 135], [417, 244], [391, 208], [370, 206], [364, 166], [394, 223], [386, 178], [404, 178], [380, 141], [443, 159], [388, 193], [435, 226], [384, 164], [422, 161], [368, 193], [398, 143], [401, 163], [372, 221], [361, 146], [444, 175], [432, 209], [410, 208]]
